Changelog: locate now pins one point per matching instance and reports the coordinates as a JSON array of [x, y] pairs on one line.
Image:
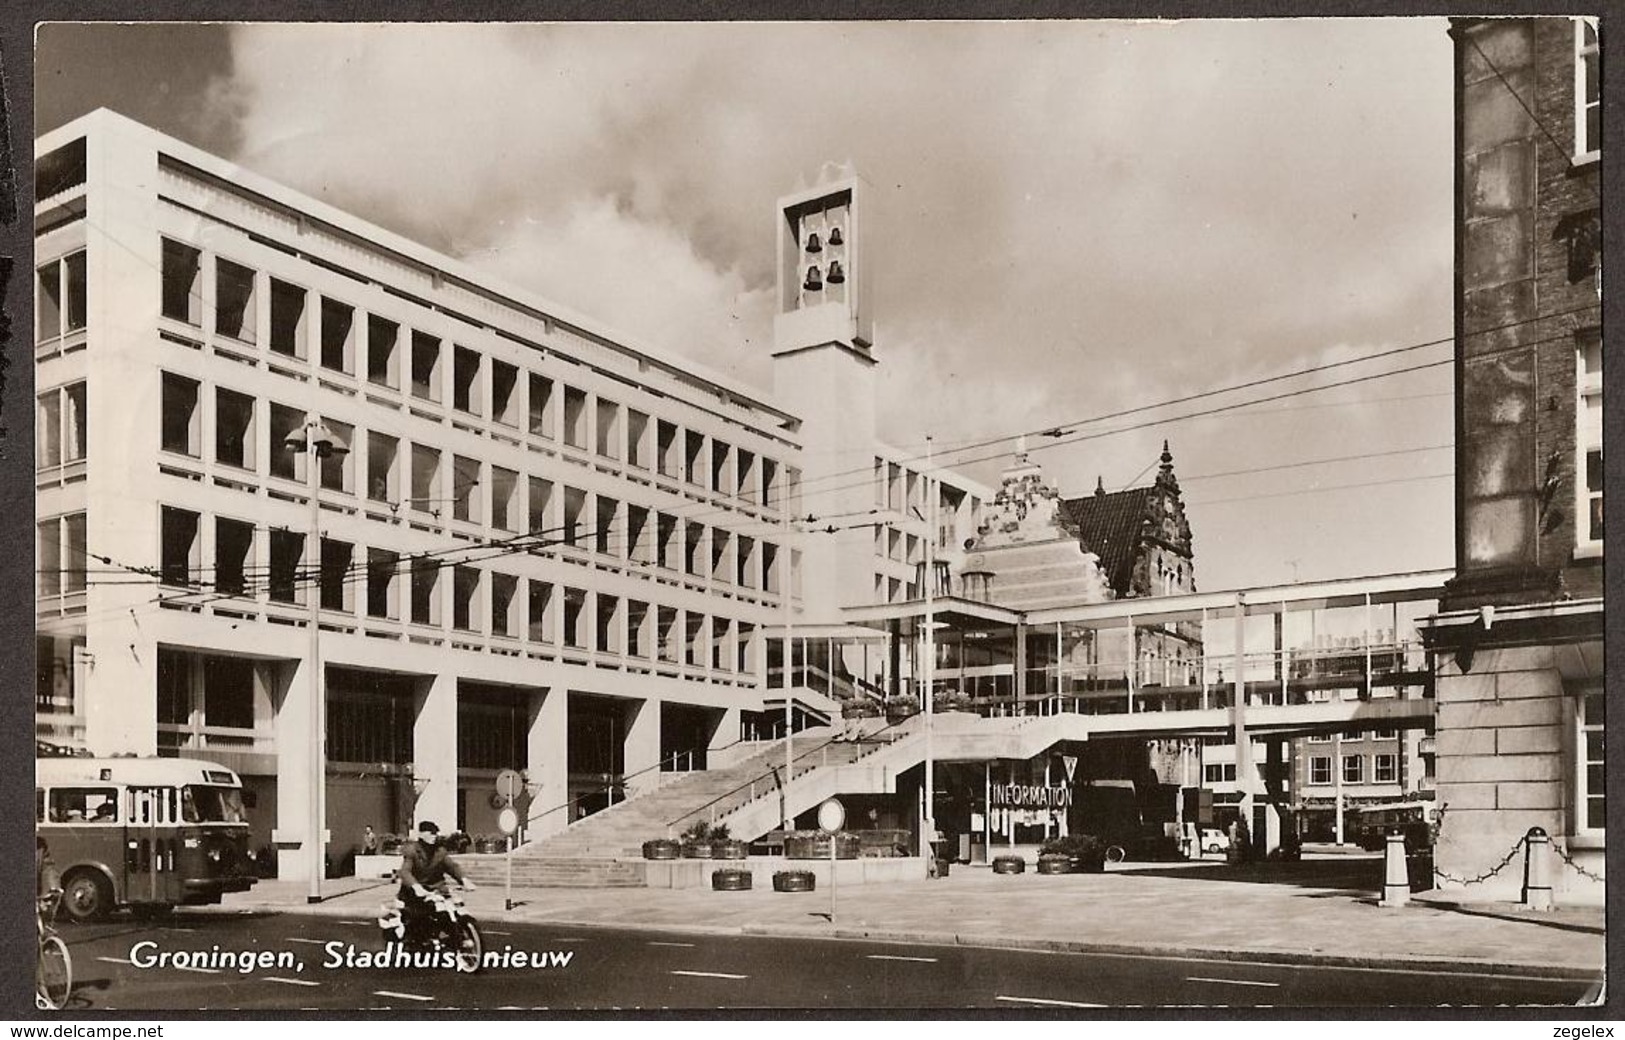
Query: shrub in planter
[[390, 845], [1009, 865], [1055, 864], [902, 707], [730, 879], [697, 840], [794, 881], [861, 708], [729, 848], [1085, 852], [662, 848], [952, 700], [458, 843]]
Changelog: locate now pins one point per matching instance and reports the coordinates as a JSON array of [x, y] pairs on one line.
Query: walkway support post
[[1396, 887], [1245, 773], [1537, 870]]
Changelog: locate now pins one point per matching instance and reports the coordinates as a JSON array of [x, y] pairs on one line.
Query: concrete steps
[[544, 872]]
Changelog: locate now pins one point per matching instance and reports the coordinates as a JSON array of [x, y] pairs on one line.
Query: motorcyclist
[[425, 864]]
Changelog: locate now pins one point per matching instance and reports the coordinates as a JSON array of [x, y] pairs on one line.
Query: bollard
[[1537, 870], [1396, 885]]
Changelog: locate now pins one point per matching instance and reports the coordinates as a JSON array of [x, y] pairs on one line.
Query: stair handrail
[[673, 757], [773, 770]]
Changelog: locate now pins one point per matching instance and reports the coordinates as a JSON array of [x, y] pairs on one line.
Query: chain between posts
[[1511, 854], [1583, 872]]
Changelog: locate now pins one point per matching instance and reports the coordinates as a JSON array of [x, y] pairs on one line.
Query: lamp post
[[789, 656], [316, 442], [928, 673]]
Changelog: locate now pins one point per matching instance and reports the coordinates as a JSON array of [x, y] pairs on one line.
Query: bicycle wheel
[[470, 946], [55, 979]]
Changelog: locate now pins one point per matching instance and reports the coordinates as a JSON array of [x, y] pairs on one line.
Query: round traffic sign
[[507, 821], [509, 784], [831, 815]]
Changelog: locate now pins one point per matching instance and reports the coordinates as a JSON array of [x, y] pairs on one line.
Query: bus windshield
[[212, 805]]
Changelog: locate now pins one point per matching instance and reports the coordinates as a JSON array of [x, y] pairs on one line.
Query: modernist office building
[[547, 547]]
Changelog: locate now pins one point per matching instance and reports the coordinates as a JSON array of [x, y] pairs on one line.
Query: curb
[[1394, 962]]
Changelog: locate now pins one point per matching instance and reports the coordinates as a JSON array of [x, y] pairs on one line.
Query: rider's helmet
[[428, 832]]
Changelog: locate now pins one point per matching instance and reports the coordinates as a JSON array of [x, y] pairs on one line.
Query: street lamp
[[316, 441]]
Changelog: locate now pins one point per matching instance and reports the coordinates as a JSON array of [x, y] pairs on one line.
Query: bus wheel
[[86, 896]]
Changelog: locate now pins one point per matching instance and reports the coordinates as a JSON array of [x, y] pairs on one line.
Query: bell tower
[[823, 372]]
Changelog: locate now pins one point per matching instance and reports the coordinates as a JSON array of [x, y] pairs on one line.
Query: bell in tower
[[836, 275], [814, 281], [813, 245]]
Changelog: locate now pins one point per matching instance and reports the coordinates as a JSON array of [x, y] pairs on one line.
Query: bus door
[[150, 816]]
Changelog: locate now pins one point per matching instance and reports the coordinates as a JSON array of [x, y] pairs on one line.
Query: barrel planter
[[1059, 865], [1009, 865], [729, 848], [730, 879], [489, 846], [794, 881], [696, 850], [943, 867], [846, 847], [662, 848]]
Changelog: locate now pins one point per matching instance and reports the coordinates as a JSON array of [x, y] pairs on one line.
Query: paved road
[[627, 969]]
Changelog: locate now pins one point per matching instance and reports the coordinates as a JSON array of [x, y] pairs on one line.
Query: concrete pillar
[[434, 751], [727, 729], [642, 746], [547, 765], [295, 771]]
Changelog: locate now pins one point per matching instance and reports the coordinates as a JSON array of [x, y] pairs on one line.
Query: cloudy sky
[[1071, 219]]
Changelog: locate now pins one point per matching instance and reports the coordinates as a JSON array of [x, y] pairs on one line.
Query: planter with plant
[[730, 879], [860, 708], [725, 847], [794, 881], [902, 706], [1009, 865], [1074, 854], [662, 848], [697, 841], [815, 845]]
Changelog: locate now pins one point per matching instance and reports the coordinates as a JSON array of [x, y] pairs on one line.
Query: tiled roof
[[1110, 528]]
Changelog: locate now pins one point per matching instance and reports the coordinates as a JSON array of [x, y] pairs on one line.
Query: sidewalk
[[1149, 910]]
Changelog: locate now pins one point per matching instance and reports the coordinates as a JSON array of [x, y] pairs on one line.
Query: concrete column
[[434, 750], [295, 767], [547, 764], [642, 743]]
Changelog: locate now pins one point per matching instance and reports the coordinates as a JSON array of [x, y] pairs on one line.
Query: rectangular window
[[182, 432], [770, 484], [694, 457], [1320, 738], [84, 805], [693, 549], [637, 439], [1320, 770], [1591, 800], [541, 406], [1589, 442], [540, 611], [504, 393], [575, 417], [721, 544], [425, 478], [465, 381], [465, 609], [382, 450], [744, 645], [574, 601], [48, 426], [382, 366], [233, 556], [60, 297], [1587, 89], [338, 336], [666, 633], [1353, 769], [234, 301], [721, 646], [1384, 769], [666, 541], [504, 482], [608, 632], [75, 422], [666, 461], [335, 575], [638, 535], [745, 475], [539, 506], [504, 619], [383, 567], [609, 429], [1212, 774], [425, 592], [182, 275], [637, 624], [336, 467], [721, 468], [287, 319], [74, 559], [694, 629], [234, 441], [290, 465], [466, 489], [425, 366], [575, 504], [286, 550], [48, 558], [604, 529]]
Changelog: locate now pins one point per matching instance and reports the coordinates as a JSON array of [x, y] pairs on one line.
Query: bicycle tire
[[54, 975]]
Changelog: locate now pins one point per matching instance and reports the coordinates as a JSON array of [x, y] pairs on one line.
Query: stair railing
[[621, 783], [892, 732]]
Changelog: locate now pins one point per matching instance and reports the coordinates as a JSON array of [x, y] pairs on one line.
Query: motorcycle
[[445, 930]]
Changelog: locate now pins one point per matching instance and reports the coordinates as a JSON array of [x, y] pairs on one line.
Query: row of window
[[1381, 733], [1384, 769], [384, 351], [469, 490], [389, 585]]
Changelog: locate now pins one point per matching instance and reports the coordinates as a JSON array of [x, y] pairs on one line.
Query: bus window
[[39, 805], [84, 805], [212, 805]]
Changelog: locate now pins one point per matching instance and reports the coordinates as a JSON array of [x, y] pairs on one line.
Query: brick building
[[1518, 640]]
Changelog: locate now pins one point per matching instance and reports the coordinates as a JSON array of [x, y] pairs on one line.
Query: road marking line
[[399, 996], [711, 974], [177, 967], [291, 982], [569, 938], [895, 957], [116, 960], [493, 931], [655, 943], [1050, 1003], [312, 942], [1232, 982]]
